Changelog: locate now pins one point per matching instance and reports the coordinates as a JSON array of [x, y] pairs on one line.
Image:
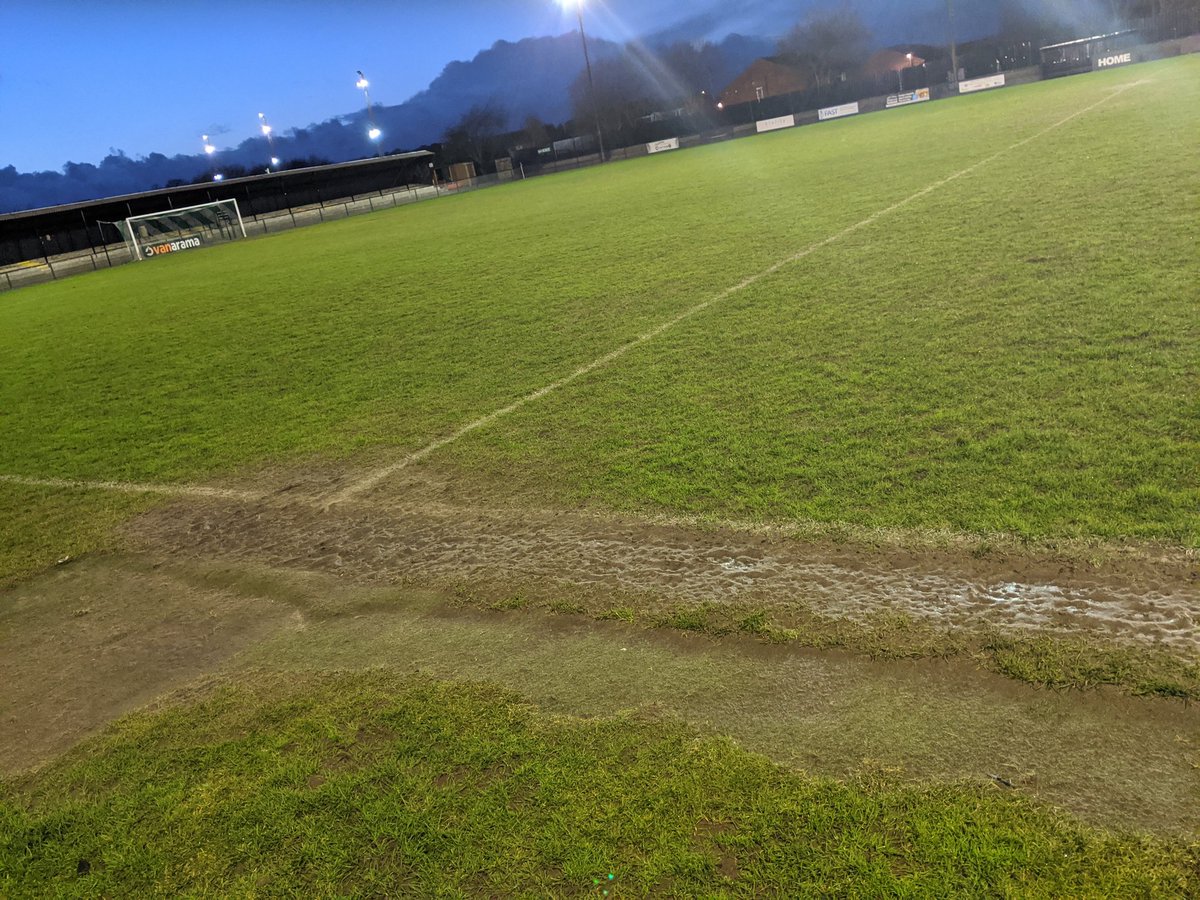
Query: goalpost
[[174, 230]]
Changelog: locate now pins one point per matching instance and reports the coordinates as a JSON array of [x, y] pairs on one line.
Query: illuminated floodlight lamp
[[208, 147], [218, 177], [362, 84], [374, 134], [274, 160]]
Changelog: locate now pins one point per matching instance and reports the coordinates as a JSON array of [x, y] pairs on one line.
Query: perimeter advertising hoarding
[[777, 124], [981, 84], [836, 112], [663, 146], [1111, 60], [189, 243], [907, 97]]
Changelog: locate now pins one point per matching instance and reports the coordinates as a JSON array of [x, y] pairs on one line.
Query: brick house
[[770, 77], [889, 60]]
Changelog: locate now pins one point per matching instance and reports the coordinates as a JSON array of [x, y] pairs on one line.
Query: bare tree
[[536, 132], [621, 95], [828, 44], [472, 135], [693, 67]]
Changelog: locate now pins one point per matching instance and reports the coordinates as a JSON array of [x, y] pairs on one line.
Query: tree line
[[643, 94]]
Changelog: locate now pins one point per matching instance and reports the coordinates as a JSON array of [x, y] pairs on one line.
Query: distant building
[[773, 76], [889, 60], [777, 76]]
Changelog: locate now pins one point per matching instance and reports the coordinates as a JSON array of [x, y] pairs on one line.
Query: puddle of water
[[739, 567]]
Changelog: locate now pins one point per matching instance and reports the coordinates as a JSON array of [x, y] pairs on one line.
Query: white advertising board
[[908, 97], [836, 112], [663, 146], [981, 84], [1113, 59], [777, 124]]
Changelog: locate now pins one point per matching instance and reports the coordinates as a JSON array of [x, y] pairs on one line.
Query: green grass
[[1014, 352], [40, 526], [1043, 660], [377, 785]]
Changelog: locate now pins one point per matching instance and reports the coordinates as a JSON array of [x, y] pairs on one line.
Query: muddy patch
[[151, 624], [86, 644], [430, 543]]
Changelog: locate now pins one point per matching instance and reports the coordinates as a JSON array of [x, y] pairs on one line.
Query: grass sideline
[[378, 783], [968, 365], [1042, 660]]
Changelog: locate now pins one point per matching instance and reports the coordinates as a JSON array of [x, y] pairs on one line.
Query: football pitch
[[916, 364], [977, 316]]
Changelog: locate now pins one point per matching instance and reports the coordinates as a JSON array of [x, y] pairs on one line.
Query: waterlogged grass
[[376, 785], [1013, 352], [1046, 660]]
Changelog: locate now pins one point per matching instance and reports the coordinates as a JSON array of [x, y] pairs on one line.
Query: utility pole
[[587, 58], [953, 42]]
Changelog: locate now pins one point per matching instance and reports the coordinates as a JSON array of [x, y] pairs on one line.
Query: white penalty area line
[[380, 475], [127, 487]]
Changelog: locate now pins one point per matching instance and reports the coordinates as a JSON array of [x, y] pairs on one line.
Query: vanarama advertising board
[[981, 84], [777, 124], [907, 97], [190, 243], [836, 112], [663, 146]]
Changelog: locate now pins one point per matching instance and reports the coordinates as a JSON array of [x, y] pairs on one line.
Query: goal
[[174, 230]]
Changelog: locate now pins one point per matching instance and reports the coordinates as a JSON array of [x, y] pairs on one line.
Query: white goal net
[[173, 230]]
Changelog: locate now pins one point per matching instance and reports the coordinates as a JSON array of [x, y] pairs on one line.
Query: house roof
[[286, 175], [1088, 40], [891, 60]]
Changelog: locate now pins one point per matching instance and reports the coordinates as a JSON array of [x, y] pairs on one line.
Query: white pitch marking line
[[125, 487], [370, 481]]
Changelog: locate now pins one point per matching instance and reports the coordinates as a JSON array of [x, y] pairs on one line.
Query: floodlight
[[577, 5], [374, 134]]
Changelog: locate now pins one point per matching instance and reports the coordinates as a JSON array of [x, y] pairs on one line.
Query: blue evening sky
[[78, 77]]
